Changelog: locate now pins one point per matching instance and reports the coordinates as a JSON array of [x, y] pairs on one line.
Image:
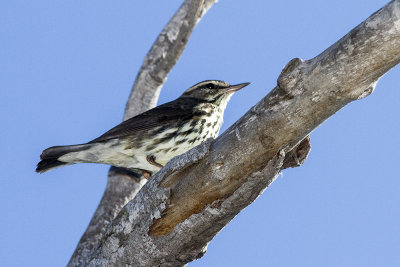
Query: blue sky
[[66, 70]]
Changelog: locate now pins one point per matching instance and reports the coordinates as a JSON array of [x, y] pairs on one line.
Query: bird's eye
[[210, 86]]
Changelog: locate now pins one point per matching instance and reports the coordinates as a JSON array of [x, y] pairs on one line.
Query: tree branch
[[163, 56], [123, 185], [176, 214]]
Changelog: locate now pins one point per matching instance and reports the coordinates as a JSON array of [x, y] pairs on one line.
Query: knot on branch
[[298, 154], [290, 76]]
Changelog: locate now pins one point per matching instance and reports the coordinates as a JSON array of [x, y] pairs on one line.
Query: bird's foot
[[152, 160], [146, 174]]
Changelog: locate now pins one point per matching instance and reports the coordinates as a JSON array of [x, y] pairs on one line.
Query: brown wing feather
[[168, 113]]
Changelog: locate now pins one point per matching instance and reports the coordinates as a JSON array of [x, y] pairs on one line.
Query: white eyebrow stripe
[[200, 84]]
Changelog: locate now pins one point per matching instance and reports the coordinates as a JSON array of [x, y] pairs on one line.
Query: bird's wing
[[175, 111]]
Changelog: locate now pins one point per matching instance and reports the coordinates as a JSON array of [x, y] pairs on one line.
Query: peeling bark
[[176, 214], [123, 185]]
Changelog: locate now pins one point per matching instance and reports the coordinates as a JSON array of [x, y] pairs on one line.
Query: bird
[[146, 142]]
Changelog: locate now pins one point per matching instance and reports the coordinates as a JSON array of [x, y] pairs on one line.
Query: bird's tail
[[50, 156]]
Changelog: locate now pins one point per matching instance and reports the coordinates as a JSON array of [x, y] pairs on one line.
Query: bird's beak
[[236, 87]]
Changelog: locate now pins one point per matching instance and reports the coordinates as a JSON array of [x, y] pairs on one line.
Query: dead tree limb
[[176, 214], [123, 185]]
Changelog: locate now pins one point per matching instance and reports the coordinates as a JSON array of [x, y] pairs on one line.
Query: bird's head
[[213, 91]]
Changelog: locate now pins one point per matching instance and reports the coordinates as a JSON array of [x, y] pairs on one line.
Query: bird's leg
[[152, 160]]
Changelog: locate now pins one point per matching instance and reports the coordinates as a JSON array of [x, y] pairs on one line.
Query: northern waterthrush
[[149, 140]]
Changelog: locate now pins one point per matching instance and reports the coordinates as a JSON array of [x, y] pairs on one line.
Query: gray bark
[[177, 213], [123, 185]]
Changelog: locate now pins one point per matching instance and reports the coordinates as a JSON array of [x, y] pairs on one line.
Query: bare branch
[[183, 206], [123, 185]]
